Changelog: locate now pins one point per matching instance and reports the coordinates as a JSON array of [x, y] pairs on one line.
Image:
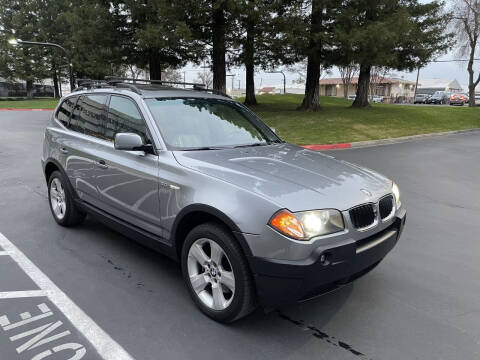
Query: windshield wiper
[[251, 145], [205, 148]]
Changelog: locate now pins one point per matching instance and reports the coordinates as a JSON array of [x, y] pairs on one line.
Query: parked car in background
[[439, 98], [376, 99], [421, 98], [458, 99], [352, 97]]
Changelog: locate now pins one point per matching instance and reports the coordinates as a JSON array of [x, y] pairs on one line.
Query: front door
[[127, 181]]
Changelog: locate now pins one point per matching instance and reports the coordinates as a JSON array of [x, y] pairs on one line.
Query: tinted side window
[[124, 117], [76, 122], [92, 114], [65, 110]]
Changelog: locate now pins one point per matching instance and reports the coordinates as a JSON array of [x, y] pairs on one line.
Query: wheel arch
[[196, 214], [52, 165]]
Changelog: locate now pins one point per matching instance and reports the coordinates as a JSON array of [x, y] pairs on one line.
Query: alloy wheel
[[211, 274], [57, 199]]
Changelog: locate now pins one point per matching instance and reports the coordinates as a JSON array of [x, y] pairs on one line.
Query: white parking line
[[106, 347], [23, 294]]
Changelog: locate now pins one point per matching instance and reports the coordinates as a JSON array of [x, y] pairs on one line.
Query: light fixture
[[14, 41]]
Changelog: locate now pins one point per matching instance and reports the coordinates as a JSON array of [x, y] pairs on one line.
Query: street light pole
[[36, 43]]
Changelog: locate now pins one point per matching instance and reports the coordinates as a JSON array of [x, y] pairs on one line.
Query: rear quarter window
[[76, 121], [65, 110]]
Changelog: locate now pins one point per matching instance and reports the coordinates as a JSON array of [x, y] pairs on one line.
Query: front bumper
[[282, 281]]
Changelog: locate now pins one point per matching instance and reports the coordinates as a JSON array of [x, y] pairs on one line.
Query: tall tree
[[262, 37], [219, 45], [319, 49], [212, 22], [19, 20], [398, 34], [154, 34], [89, 32], [467, 23]]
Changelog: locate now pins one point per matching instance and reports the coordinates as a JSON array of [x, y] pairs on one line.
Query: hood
[[290, 176]]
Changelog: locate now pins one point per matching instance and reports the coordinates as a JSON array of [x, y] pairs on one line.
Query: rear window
[[65, 110]]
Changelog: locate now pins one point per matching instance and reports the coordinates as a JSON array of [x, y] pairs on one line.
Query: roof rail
[[114, 80], [130, 83]]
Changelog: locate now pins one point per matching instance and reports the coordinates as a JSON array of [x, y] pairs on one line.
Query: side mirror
[[129, 142]]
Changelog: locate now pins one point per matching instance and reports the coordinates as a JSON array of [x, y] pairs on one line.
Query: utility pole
[[416, 84]]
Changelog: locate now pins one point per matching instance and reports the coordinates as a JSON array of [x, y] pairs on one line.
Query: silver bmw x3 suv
[[252, 219]]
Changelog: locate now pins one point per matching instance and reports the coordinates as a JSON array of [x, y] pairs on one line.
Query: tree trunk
[[250, 65], [29, 85], [345, 89], [155, 68], [311, 100], [56, 92], [219, 48], [472, 83], [361, 99], [471, 91]]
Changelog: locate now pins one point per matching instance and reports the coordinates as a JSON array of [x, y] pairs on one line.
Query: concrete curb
[[369, 143]]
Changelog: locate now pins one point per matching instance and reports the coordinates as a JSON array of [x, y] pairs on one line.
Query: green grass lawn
[[338, 122], [29, 104]]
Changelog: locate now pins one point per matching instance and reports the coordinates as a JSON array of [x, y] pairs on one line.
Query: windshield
[[199, 123]]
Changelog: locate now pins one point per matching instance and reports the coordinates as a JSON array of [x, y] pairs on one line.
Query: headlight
[[396, 193], [308, 224]]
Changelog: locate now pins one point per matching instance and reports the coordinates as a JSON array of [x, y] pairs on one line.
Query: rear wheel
[[61, 201], [217, 274]]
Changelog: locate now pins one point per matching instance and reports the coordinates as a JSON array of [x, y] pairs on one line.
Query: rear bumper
[[280, 282]]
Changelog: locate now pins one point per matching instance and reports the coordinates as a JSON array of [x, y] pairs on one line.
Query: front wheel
[[217, 274]]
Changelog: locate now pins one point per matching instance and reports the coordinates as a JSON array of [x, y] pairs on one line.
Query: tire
[[203, 268], [61, 201]]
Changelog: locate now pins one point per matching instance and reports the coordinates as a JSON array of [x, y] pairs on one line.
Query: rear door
[[127, 181], [76, 151]]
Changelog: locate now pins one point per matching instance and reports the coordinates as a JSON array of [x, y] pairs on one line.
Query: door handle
[[102, 164], [63, 150]]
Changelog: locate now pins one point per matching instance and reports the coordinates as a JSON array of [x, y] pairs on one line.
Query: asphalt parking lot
[[421, 302]]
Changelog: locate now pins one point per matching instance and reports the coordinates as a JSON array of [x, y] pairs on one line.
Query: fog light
[[324, 259]]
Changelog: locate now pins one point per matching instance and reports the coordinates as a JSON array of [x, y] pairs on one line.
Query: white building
[[430, 86]]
